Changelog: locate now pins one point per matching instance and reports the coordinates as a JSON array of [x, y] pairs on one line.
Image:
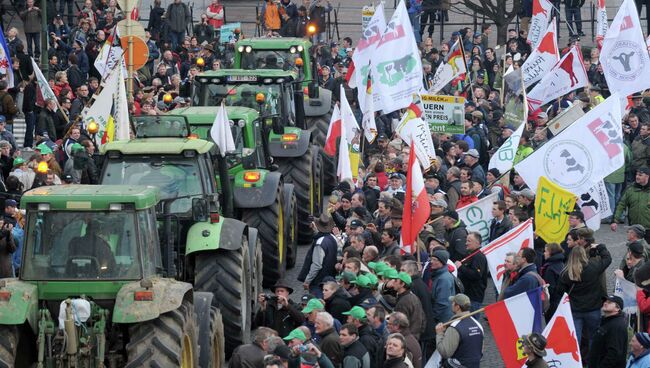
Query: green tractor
[[282, 126], [92, 291], [293, 54], [218, 254]]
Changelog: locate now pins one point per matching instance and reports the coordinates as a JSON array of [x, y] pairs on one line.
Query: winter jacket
[[636, 199], [356, 355], [47, 121], [329, 344], [586, 295], [525, 281], [643, 301], [474, 275], [640, 152], [372, 343], [320, 261], [419, 288], [465, 201], [338, 304], [178, 16], [7, 248], [271, 15], [497, 230], [31, 20], [550, 272], [442, 287], [409, 304], [247, 356], [9, 109], [456, 238], [609, 343], [642, 361], [282, 320]]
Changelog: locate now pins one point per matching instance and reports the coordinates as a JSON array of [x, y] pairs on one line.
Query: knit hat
[[643, 338], [636, 248], [452, 214], [638, 229], [642, 276], [442, 255]]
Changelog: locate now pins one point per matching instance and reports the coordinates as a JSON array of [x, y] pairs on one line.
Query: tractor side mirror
[[200, 209], [276, 125], [312, 90]]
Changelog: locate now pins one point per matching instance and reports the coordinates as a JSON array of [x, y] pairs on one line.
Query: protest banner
[[445, 114], [477, 216], [228, 32], [595, 205], [552, 204], [627, 291]]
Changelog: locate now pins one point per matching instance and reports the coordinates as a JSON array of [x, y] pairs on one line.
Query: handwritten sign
[[551, 206]]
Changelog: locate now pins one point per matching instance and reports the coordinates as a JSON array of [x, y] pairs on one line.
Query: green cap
[[312, 305], [460, 299], [389, 273], [76, 147], [296, 334], [18, 161], [356, 313], [373, 279], [44, 149], [362, 281], [378, 266], [347, 276], [405, 277]]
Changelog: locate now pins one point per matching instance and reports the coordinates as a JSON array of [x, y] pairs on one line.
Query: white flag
[[504, 157], [344, 168], [562, 346], [361, 58], [418, 131], [477, 216], [396, 65], [121, 109], [595, 205], [582, 154], [627, 291], [539, 21], [567, 75], [221, 133], [453, 66], [368, 120], [44, 88], [512, 241], [101, 108], [543, 57], [624, 56], [601, 23], [348, 121]]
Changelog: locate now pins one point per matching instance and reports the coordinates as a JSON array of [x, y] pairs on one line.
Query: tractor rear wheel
[[299, 171], [291, 228], [318, 125], [269, 222], [226, 274], [317, 160], [167, 341], [8, 345], [213, 353]]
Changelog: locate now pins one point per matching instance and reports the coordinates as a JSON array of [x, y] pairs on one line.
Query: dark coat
[[7, 248], [609, 343], [329, 344], [409, 304], [550, 272], [372, 341], [247, 356], [586, 295], [419, 288], [474, 274], [456, 239], [524, 282], [498, 230], [338, 304], [283, 320], [47, 120]]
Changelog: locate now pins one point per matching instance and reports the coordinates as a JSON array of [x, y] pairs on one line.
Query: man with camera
[[277, 311]]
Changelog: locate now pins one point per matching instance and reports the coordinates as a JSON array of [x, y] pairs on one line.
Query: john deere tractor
[[286, 142], [217, 254], [294, 54], [92, 291]]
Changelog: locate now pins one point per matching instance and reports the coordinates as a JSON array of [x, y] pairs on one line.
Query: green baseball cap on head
[[362, 281], [76, 147], [296, 334], [373, 279], [377, 266], [356, 313], [389, 273], [347, 276], [312, 305], [405, 277], [18, 161], [44, 149]]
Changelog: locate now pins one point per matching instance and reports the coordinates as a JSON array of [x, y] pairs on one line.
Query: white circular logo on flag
[[568, 164], [625, 61]]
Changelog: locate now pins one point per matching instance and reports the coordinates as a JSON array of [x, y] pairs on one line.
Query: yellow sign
[[552, 203]]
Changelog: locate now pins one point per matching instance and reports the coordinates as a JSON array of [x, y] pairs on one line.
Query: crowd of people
[[365, 303]]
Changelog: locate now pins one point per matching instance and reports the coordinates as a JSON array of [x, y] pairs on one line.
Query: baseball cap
[[11, 203], [460, 299], [18, 161], [347, 276], [356, 313], [373, 279], [44, 149], [389, 273], [473, 152], [312, 305], [354, 224], [526, 192], [362, 281], [405, 277], [614, 299], [377, 266], [395, 176], [76, 147], [439, 203], [296, 334]]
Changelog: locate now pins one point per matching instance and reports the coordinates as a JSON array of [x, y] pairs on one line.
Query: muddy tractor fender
[[256, 195], [225, 234], [134, 304], [319, 106], [22, 304], [278, 147]]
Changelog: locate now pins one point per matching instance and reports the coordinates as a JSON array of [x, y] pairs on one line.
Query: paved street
[[615, 243]]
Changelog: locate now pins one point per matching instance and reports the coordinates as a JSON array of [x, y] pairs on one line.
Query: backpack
[[459, 288], [546, 297]]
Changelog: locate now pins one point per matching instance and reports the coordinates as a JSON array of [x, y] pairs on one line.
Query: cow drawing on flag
[[562, 346]]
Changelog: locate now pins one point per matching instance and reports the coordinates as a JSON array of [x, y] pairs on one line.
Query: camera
[[271, 297], [303, 348]]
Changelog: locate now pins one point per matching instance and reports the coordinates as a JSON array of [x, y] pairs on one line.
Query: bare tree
[[501, 12]]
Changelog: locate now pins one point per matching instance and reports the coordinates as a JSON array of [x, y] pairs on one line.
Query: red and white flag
[[543, 57], [561, 342], [539, 21], [518, 238], [601, 23], [511, 318], [416, 204], [566, 76], [624, 56], [333, 132]]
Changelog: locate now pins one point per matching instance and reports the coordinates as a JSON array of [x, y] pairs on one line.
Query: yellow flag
[[552, 203]]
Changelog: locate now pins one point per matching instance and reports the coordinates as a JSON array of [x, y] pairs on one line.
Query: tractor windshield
[[66, 245], [269, 59], [243, 95], [174, 176]]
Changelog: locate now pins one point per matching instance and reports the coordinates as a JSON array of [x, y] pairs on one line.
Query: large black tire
[[317, 161], [213, 354], [318, 125], [8, 346], [291, 226], [299, 172], [226, 274], [257, 264], [167, 341], [269, 222]]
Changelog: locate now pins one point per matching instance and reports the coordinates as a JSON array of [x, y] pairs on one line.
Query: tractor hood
[[204, 115]]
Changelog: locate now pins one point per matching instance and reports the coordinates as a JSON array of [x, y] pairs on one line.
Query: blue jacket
[[525, 281], [415, 6], [442, 287], [642, 361]]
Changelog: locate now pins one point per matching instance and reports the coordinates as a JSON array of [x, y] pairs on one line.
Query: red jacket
[[465, 200], [382, 180], [643, 300]]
